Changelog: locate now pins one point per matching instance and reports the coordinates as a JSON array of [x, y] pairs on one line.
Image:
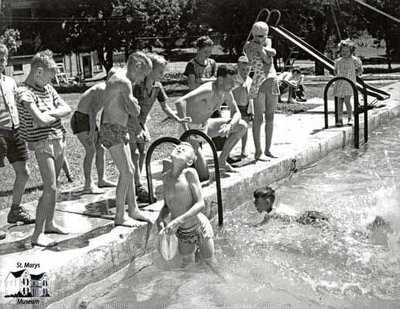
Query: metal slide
[[327, 63]]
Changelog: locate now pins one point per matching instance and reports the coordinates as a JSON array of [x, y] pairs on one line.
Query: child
[[201, 68], [183, 199], [264, 199], [40, 110], [146, 93], [293, 83], [83, 125], [350, 67], [12, 146], [241, 96], [119, 104], [264, 88]]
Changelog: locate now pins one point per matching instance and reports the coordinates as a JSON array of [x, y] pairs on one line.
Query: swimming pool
[[284, 264]]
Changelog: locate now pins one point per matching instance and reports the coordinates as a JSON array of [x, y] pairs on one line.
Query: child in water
[[348, 66], [183, 199], [264, 199]]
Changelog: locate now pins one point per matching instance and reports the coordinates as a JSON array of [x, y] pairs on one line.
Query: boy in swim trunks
[[83, 125], [119, 104], [40, 111], [183, 199], [146, 93]]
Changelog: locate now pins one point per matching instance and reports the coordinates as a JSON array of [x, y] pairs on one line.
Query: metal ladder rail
[[356, 110], [191, 132]]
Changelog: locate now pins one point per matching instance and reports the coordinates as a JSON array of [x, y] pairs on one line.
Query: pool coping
[[107, 256]]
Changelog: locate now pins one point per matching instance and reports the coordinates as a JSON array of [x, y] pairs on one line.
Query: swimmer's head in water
[[264, 199], [139, 66], [183, 154]]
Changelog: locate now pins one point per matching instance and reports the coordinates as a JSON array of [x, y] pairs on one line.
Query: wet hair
[[157, 59], [224, 70], [193, 157], [3, 49], [140, 57], [347, 43], [243, 59], [43, 59], [265, 192], [204, 41], [260, 27]]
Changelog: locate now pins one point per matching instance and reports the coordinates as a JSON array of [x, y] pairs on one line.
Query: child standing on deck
[[348, 66], [241, 95], [184, 200], [40, 109], [264, 89]]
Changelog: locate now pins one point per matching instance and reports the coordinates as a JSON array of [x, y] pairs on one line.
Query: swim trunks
[[80, 123], [196, 233], [12, 147], [112, 134]]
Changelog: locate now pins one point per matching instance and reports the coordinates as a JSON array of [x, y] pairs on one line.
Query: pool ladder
[[176, 141], [357, 109]]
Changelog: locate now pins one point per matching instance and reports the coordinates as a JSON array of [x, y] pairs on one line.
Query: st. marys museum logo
[[25, 285]]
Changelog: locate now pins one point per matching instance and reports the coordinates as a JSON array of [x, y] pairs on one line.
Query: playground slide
[[327, 63]]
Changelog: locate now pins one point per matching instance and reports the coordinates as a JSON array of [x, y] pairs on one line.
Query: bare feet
[[126, 221], [258, 156], [43, 241], [141, 216], [106, 184], [243, 155], [269, 154], [92, 190], [227, 167], [55, 229]]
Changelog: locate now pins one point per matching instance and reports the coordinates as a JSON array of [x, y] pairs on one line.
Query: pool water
[[285, 264]]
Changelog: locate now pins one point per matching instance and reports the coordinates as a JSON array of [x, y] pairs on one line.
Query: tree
[[381, 27], [11, 38]]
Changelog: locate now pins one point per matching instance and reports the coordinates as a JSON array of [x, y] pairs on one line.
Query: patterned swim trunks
[[195, 234], [112, 134]]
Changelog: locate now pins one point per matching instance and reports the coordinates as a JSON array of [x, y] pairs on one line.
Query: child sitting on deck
[[183, 199]]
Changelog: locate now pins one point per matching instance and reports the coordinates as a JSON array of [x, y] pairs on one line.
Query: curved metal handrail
[[356, 110], [278, 19], [149, 153], [187, 134]]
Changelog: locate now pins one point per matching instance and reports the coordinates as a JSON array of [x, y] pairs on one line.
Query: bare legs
[[266, 102], [90, 151], [126, 187], [349, 109], [21, 177], [49, 169]]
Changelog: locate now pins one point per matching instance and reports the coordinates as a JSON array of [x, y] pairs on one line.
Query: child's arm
[[132, 104], [359, 68], [161, 217], [236, 116], [62, 109], [39, 118], [198, 205], [335, 71], [162, 99]]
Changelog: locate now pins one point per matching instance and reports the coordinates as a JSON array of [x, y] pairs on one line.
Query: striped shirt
[[201, 70], [45, 99]]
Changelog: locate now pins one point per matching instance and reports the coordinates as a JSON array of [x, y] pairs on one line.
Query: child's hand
[[172, 227], [185, 120], [251, 117]]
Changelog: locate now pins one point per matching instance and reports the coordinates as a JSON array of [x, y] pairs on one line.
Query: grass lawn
[[158, 125]]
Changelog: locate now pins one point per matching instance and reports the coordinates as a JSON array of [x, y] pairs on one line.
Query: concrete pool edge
[[107, 256]]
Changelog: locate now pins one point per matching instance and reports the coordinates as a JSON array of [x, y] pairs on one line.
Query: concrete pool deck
[[95, 249]]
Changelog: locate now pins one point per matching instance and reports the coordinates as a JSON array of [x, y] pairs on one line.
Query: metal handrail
[[356, 109], [278, 19], [149, 153], [191, 132]]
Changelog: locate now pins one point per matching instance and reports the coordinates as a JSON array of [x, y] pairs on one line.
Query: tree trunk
[[106, 62]]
